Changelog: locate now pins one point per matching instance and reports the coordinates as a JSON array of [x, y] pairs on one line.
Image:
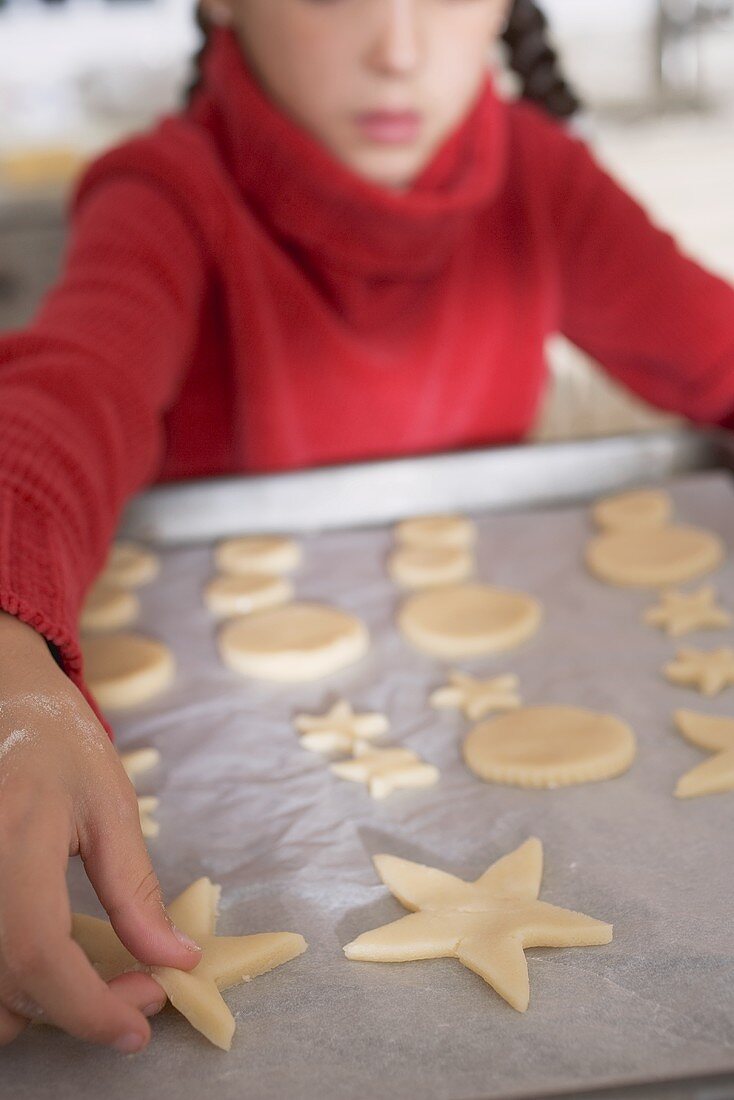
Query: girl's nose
[[396, 49]]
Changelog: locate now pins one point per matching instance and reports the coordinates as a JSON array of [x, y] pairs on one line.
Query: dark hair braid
[[533, 58]]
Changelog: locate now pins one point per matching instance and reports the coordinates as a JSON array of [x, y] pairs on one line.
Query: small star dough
[[108, 607], [147, 805], [716, 735], [258, 554], [436, 531], [552, 746], [477, 698], [427, 566], [709, 672], [386, 770], [486, 924], [679, 613], [653, 557], [130, 565], [640, 508], [340, 729], [226, 960], [246, 592], [468, 620], [124, 670], [293, 643]]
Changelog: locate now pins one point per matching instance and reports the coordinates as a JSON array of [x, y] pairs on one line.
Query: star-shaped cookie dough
[[136, 763], [715, 735], [386, 770], [486, 924], [709, 672], [477, 698], [226, 960], [679, 613], [340, 729]]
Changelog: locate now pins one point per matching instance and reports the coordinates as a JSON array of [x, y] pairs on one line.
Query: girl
[[347, 245]]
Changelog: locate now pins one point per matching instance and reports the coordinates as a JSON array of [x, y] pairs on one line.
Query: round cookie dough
[[130, 565], [428, 566], [640, 508], [551, 746], [258, 554], [123, 670], [108, 607], [293, 643], [435, 531], [468, 620], [242, 594], [654, 556]]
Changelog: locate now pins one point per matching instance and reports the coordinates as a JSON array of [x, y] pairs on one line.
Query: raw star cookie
[[708, 672], [245, 593], [293, 643], [716, 735], [124, 670], [653, 557], [130, 565], [549, 747], [486, 925], [386, 770], [225, 961], [108, 607], [477, 698], [428, 566], [340, 729], [679, 613], [435, 531], [258, 554], [468, 620], [639, 508]]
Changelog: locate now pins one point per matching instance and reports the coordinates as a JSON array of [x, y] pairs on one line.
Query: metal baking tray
[[651, 1015]]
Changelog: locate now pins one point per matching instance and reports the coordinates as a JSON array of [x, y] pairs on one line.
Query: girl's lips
[[390, 127]]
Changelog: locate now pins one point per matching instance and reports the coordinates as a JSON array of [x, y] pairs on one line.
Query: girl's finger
[[11, 1026], [139, 990]]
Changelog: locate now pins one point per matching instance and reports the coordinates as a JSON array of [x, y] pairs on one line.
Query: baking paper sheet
[[290, 844]]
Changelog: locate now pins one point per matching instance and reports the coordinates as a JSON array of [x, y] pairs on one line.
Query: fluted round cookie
[[436, 531], [130, 565], [293, 643], [428, 566], [632, 510], [468, 620], [653, 557], [550, 746], [232, 594], [124, 670], [108, 607], [258, 554]]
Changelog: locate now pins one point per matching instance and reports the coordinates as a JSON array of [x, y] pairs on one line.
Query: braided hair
[[530, 55]]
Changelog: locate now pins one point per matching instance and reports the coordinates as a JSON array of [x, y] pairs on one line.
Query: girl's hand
[[63, 791]]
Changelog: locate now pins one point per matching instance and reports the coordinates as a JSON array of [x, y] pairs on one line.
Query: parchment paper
[[291, 846]]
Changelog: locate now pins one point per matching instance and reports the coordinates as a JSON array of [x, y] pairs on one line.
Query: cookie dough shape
[[386, 770], [633, 510], [130, 565], [137, 763], [258, 554], [486, 925], [551, 746], [108, 607], [468, 620], [226, 960], [244, 593], [428, 566], [340, 730], [477, 698], [653, 557], [436, 531], [713, 776], [678, 613], [293, 643], [708, 672], [125, 670]]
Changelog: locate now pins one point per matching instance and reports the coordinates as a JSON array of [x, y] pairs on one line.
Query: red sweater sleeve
[[650, 315], [82, 393]]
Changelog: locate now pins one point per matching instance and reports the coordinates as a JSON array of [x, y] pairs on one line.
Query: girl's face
[[380, 83]]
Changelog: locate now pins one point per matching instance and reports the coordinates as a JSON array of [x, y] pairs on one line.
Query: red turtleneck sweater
[[236, 300]]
